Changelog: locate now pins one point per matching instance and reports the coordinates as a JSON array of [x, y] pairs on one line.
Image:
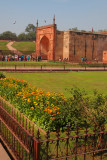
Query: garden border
[[17, 137]]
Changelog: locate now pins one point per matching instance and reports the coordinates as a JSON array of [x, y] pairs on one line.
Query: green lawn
[[3, 45], [25, 46], [50, 63], [59, 81], [34, 63]]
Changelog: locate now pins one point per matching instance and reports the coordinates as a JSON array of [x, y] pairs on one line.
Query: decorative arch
[[45, 41], [44, 47]]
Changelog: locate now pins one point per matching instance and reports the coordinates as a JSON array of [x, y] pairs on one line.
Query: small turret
[[54, 19], [37, 23]]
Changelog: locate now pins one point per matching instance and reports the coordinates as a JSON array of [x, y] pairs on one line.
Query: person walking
[[81, 59]]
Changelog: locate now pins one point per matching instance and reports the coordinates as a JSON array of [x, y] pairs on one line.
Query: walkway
[[3, 153], [9, 46]]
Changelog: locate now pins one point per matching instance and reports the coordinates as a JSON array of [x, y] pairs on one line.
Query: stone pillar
[[66, 45]]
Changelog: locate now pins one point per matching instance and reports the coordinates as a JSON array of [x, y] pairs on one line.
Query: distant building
[[52, 44]]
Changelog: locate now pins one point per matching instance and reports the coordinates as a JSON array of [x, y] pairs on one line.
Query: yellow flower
[[48, 94], [32, 108], [29, 100]]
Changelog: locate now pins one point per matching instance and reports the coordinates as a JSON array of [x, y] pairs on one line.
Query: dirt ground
[[3, 154]]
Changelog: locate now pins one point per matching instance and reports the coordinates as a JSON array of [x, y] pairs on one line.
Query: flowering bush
[[2, 75], [53, 110]]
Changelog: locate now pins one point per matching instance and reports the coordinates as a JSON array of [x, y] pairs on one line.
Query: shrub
[[2, 75]]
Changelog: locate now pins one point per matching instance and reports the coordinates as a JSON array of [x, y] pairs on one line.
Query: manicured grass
[[49, 63], [3, 45], [34, 63], [59, 81], [25, 46]]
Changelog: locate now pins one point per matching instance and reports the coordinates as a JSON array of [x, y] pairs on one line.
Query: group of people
[[83, 59], [18, 58]]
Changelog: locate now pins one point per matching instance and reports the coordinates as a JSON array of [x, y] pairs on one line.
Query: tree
[[31, 32], [83, 31], [31, 36], [8, 36], [75, 29], [22, 37], [105, 30], [30, 28]]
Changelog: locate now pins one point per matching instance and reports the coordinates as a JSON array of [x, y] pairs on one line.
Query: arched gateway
[[45, 41], [55, 45]]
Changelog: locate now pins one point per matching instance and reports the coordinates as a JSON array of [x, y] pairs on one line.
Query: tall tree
[[22, 37], [31, 32], [8, 36], [30, 28]]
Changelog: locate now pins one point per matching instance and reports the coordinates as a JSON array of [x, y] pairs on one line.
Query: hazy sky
[[83, 14]]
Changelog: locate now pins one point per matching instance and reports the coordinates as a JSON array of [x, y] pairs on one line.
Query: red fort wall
[[52, 44]]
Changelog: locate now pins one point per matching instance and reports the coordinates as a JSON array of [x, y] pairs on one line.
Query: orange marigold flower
[[45, 109], [32, 108], [49, 111], [29, 100], [52, 118]]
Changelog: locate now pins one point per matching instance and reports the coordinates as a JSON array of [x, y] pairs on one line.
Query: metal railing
[[27, 142], [79, 146], [49, 68]]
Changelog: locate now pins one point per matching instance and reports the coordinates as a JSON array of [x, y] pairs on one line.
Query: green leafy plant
[[53, 110], [2, 75]]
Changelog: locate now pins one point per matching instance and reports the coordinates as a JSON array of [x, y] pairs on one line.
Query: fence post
[[41, 67], [102, 140], [64, 67], [36, 150], [15, 67], [0, 126], [37, 147], [77, 132], [94, 131], [104, 67]]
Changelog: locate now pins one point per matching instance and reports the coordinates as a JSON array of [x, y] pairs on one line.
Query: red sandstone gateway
[[52, 44], [45, 41]]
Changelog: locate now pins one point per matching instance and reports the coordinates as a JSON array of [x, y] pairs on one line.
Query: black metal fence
[[27, 142]]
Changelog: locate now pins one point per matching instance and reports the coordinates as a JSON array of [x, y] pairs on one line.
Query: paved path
[[3, 154], [9, 46]]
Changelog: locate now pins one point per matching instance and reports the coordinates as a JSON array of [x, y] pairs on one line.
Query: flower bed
[[53, 110]]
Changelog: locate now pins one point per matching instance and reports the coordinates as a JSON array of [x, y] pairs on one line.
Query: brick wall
[[75, 45]]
